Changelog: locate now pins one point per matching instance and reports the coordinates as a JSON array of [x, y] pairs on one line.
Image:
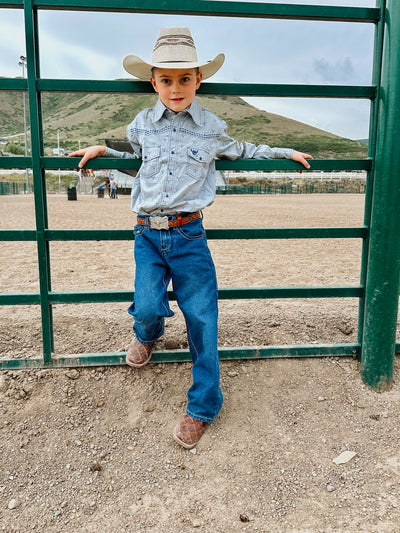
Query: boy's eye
[[185, 79]]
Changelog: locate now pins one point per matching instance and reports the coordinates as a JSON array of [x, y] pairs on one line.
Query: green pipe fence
[[378, 289], [19, 187], [13, 187], [383, 268], [289, 188]]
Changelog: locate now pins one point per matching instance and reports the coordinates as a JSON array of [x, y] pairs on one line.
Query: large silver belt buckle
[[159, 223]]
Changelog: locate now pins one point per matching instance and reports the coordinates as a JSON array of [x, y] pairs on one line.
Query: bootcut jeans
[[181, 254]]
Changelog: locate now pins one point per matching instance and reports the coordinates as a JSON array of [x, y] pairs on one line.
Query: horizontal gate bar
[[235, 293], [220, 234], [289, 90], [210, 8], [288, 233], [176, 356], [54, 163], [239, 164], [232, 89], [15, 162], [13, 84], [18, 235], [20, 299], [263, 352], [9, 4]]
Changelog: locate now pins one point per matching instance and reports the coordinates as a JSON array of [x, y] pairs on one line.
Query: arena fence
[[19, 187], [380, 270], [291, 188], [12, 187]]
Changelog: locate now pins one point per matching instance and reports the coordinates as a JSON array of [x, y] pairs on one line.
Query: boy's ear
[[154, 84], [199, 77]]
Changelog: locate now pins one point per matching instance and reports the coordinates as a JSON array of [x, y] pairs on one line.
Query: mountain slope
[[90, 118]]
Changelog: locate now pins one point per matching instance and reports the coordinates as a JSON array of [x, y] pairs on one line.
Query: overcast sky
[[81, 45]]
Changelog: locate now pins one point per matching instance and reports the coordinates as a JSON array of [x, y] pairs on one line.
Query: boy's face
[[176, 87]]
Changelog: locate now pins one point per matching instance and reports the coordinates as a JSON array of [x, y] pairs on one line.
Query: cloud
[[12, 42], [72, 61], [84, 45], [339, 71], [346, 118]]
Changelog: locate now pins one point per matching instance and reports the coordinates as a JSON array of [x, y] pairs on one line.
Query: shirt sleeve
[[110, 152], [131, 133], [231, 149]]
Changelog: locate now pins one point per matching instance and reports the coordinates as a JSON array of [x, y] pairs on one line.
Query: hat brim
[[142, 70]]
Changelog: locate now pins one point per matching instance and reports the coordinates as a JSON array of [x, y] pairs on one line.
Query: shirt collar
[[194, 111]]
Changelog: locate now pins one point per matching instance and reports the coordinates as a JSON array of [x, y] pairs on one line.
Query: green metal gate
[[380, 271]]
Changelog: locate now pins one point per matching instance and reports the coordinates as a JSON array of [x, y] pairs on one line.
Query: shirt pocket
[[150, 161], [198, 162]]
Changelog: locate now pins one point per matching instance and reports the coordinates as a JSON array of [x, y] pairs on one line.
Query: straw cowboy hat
[[174, 48]]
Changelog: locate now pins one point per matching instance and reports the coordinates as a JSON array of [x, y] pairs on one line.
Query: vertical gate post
[[39, 178], [383, 272]]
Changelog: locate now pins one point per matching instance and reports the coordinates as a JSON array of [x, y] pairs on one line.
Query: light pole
[[22, 63], [58, 154]]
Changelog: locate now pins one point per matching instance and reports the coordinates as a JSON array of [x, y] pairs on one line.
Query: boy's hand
[[301, 158], [88, 153]]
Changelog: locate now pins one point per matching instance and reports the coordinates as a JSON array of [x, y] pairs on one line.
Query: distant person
[[108, 186], [178, 142], [113, 187]]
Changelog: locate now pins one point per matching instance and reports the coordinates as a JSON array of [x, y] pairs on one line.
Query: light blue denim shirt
[[178, 152]]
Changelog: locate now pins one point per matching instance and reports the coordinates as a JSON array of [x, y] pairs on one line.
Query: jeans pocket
[[192, 231], [138, 230]]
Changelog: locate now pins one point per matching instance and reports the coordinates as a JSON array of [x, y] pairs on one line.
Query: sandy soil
[[90, 450]]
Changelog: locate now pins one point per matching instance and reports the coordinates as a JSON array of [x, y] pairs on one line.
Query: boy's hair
[[197, 69]]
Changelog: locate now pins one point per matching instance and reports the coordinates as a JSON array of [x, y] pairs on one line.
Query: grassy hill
[[90, 118]]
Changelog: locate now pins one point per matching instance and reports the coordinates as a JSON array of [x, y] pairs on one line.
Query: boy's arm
[[88, 153], [103, 151], [232, 149], [98, 151]]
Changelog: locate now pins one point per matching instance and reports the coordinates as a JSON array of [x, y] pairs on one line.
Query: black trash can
[[100, 193], [71, 191]]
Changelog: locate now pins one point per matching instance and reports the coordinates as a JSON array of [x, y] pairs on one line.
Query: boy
[[178, 142]]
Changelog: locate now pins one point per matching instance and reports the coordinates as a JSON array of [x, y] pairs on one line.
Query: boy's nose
[[175, 87]]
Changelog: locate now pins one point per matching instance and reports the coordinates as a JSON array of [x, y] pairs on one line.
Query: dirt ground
[[90, 450]]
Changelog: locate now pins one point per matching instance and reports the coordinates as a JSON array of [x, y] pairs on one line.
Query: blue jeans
[[181, 254]]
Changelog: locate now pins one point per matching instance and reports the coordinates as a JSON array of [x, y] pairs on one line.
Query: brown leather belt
[[167, 222]]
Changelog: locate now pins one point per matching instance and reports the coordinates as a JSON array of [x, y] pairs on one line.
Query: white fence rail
[[318, 175]]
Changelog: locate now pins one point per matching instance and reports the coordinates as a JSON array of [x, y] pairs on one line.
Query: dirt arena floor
[[90, 450]]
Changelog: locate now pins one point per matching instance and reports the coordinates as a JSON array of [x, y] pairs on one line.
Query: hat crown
[[174, 49], [174, 45]]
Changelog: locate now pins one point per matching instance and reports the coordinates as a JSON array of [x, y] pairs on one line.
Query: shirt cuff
[[110, 152], [283, 153]]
